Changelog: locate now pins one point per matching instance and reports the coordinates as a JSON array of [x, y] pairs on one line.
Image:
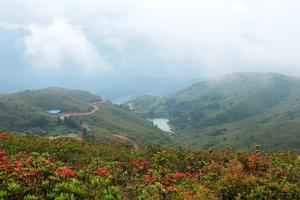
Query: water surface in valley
[[54, 111], [162, 123]]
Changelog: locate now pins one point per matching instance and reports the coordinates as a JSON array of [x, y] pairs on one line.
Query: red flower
[[255, 160], [66, 172], [102, 172], [165, 183], [4, 159], [148, 179], [29, 160], [19, 165], [3, 152], [145, 165], [178, 175], [139, 164], [4, 162]]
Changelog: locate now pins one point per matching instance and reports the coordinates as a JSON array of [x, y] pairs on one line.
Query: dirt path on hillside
[[95, 108], [135, 146]]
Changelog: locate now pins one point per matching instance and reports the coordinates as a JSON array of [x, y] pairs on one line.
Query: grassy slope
[[112, 120], [20, 110], [239, 110]]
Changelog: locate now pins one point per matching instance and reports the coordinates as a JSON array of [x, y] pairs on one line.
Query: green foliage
[[3, 194], [38, 168], [13, 187], [239, 110], [70, 122], [29, 109]]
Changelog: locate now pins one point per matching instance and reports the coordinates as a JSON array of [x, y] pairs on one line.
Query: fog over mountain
[[90, 44]]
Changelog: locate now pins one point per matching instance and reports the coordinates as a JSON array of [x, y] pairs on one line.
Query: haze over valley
[[148, 100]]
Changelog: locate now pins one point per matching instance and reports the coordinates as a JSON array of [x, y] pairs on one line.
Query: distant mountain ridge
[[130, 89], [238, 110]]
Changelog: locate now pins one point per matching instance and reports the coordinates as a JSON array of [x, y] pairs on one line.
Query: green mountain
[[238, 110], [29, 109]]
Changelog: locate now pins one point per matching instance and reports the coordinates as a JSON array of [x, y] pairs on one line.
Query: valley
[[236, 111]]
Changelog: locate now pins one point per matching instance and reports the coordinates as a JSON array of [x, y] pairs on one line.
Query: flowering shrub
[[102, 172], [39, 168], [64, 171]]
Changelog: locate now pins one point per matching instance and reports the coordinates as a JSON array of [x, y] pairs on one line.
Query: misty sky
[[91, 43]]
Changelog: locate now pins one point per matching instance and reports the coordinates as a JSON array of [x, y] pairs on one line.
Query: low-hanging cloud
[[60, 45], [221, 37], [191, 37]]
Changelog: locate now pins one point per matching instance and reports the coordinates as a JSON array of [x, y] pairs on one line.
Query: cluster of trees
[[68, 121], [40, 122], [71, 123]]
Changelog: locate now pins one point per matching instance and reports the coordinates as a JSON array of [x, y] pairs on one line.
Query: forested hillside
[[238, 110]]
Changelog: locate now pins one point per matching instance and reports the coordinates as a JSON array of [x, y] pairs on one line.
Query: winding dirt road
[[95, 108], [135, 146]]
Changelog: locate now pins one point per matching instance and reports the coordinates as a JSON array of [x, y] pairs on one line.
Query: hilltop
[[238, 110], [29, 109]]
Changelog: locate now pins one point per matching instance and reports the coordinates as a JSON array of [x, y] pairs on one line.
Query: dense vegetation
[[39, 168], [28, 109], [238, 110]]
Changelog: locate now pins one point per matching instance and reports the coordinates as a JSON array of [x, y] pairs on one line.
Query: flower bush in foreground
[[38, 168]]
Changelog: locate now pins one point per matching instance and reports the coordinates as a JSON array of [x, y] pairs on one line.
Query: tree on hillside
[[58, 120], [84, 132]]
